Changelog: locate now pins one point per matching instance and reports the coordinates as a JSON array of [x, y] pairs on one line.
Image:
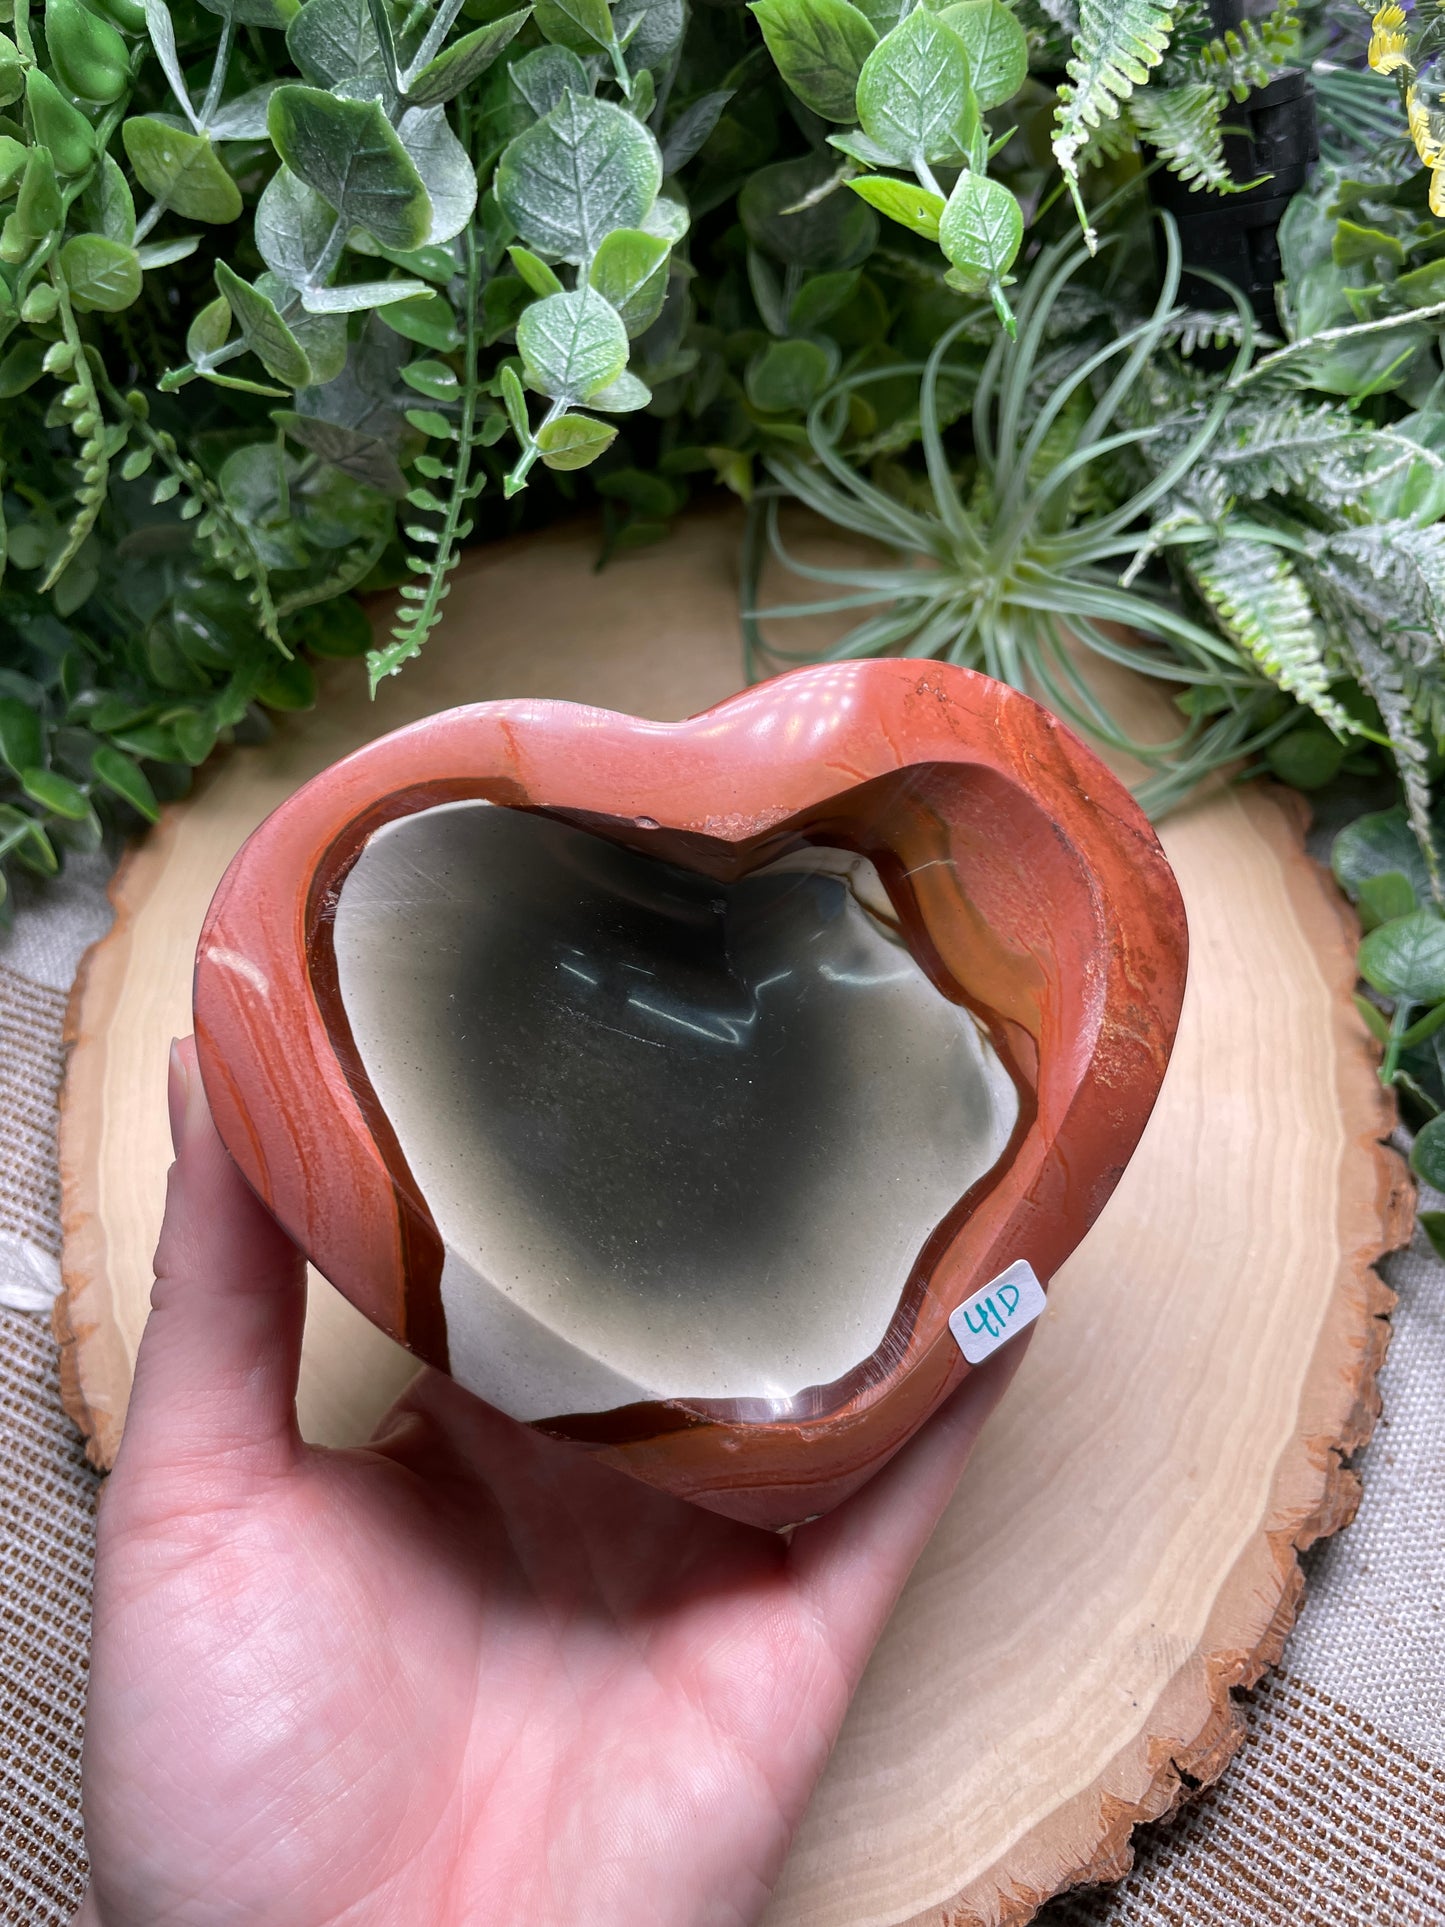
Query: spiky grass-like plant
[[1032, 562]]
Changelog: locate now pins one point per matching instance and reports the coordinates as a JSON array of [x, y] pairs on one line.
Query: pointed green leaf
[[998, 49], [126, 779], [584, 26], [981, 229], [266, 334], [55, 793], [572, 441], [534, 271], [914, 97], [906, 202], [458, 65], [350, 153], [22, 742], [820, 48]]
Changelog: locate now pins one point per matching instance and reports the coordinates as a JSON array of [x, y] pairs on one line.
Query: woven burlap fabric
[[1333, 1815]]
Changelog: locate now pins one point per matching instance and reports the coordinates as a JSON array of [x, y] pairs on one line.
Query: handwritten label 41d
[[1004, 1307]]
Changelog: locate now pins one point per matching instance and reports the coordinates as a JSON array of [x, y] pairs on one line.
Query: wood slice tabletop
[[1121, 1555]]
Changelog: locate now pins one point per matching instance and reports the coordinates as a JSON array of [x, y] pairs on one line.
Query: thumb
[[219, 1359]]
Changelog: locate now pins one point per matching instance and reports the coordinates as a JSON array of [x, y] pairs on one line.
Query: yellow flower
[[1428, 144], [1437, 192], [1387, 40]]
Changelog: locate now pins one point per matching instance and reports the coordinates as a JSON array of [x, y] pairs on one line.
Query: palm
[[461, 1675]]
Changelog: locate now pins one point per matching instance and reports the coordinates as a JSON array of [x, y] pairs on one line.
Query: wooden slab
[[1122, 1553]]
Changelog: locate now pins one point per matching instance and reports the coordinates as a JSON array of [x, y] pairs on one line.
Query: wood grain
[[1122, 1554]]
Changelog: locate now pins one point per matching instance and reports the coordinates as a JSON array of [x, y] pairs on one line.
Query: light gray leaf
[[651, 30], [667, 220], [543, 77], [335, 40], [163, 38], [621, 397], [447, 175], [350, 153], [572, 345], [688, 132], [365, 457], [163, 254], [585, 170], [244, 118], [357, 295], [293, 227]]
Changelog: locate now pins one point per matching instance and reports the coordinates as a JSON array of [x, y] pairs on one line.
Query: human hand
[[462, 1674]]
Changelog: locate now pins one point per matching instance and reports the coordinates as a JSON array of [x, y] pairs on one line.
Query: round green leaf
[[351, 154], [288, 685], [447, 175], [1406, 958], [630, 271], [981, 229], [906, 202], [572, 441], [820, 48], [1306, 757], [569, 181], [1386, 897], [1374, 845], [102, 275], [181, 168], [1427, 1155], [789, 375], [833, 233], [914, 97], [998, 49], [572, 344]]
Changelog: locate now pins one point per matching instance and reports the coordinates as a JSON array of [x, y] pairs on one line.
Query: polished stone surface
[[679, 1138]]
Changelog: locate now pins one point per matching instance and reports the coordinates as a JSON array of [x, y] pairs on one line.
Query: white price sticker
[[993, 1316]]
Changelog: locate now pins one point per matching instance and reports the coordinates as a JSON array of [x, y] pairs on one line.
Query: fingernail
[[178, 1092]]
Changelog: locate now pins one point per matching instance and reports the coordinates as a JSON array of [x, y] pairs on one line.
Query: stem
[[218, 70], [1399, 1024]]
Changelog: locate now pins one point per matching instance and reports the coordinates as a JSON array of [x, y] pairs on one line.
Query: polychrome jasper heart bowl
[[674, 1085]]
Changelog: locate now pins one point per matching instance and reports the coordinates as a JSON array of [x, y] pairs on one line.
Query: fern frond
[[1118, 44], [1260, 602], [1286, 445], [420, 608], [1183, 124], [1381, 592], [1191, 329], [1250, 56]]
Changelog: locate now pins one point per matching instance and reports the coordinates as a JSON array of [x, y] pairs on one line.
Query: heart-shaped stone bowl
[[672, 1084]]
